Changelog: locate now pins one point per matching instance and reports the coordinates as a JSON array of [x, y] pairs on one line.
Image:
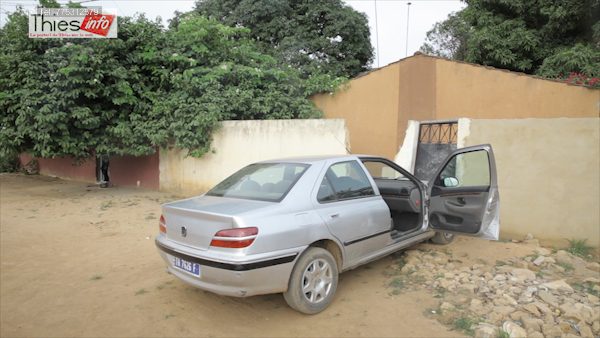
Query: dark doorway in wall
[[102, 170], [437, 139]]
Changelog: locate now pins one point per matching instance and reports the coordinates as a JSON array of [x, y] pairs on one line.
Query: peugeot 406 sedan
[[293, 225]]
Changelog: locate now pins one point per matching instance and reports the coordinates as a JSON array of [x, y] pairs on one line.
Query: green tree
[[449, 38], [214, 73], [581, 58], [74, 96], [316, 37], [520, 34], [147, 88]]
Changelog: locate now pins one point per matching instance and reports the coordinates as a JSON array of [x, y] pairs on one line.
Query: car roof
[[316, 158]]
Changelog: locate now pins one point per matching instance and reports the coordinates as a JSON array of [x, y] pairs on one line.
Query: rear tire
[[313, 281], [443, 238]]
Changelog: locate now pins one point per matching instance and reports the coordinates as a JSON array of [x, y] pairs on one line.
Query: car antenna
[[343, 145]]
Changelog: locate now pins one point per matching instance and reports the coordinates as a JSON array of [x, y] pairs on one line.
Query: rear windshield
[[261, 181]]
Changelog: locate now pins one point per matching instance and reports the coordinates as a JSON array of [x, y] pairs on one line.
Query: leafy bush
[[9, 161], [146, 89]]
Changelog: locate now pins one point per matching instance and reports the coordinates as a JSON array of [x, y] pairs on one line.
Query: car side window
[[325, 193], [466, 170], [347, 180]]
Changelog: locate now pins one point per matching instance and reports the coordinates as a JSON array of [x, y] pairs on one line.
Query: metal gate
[[437, 139]]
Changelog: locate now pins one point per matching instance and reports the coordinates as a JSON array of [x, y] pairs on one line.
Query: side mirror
[[450, 182]]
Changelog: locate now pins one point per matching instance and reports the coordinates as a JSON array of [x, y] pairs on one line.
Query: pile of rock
[[523, 297]]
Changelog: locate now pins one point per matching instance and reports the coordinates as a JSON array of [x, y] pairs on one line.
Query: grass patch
[[567, 267], [540, 274], [441, 275], [465, 323], [587, 288], [96, 277], [448, 253], [401, 263], [398, 283], [440, 292], [419, 279], [169, 315], [107, 205], [578, 248], [503, 334], [140, 292], [481, 261], [151, 216], [501, 263], [160, 287]]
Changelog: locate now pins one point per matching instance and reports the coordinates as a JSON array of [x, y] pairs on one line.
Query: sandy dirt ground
[[80, 261]]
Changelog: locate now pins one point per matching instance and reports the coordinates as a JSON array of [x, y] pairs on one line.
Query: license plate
[[186, 266]]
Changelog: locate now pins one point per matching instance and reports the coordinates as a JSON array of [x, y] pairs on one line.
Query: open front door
[[464, 195]]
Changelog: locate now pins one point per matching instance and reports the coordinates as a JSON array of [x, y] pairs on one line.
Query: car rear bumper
[[239, 278]]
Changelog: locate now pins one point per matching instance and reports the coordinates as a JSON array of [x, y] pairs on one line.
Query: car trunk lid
[[194, 222]]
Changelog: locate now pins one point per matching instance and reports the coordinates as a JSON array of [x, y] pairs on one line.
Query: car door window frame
[[386, 163], [364, 178]]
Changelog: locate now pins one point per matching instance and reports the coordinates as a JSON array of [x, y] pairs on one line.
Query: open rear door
[[464, 195]]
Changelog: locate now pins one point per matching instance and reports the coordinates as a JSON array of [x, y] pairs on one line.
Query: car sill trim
[[354, 241], [227, 266]]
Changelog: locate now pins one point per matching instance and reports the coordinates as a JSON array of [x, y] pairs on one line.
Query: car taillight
[[162, 225], [235, 238]]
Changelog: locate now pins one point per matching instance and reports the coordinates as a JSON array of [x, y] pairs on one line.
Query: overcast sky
[[389, 39]]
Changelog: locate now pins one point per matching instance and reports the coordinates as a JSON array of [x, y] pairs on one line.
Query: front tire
[[443, 238], [313, 281]]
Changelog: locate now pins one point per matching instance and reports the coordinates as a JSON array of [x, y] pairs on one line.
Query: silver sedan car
[[293, 225]]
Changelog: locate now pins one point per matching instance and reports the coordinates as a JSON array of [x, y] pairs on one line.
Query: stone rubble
[[524, 298]]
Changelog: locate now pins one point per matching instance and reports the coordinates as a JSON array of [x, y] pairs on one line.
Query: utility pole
[[407, 17], [376, 34]]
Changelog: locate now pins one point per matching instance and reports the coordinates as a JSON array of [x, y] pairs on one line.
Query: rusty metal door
[[437, 139]]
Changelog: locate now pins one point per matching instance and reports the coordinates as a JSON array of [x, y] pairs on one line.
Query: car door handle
[[334, 216], [461, 202]]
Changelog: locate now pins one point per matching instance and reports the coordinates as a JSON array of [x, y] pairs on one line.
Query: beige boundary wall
[[548, 176], [239, 143]]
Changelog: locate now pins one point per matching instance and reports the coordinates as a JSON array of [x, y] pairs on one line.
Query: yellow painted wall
[[370, 107], [378, 105], [417, 93], [548, 176], [239, 143], [465, 90]]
